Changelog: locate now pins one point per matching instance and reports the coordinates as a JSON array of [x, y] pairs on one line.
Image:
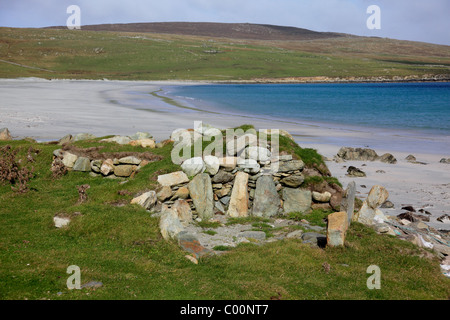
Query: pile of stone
[[113, 167], [142, 139], [241, 184], [110, 168], [407, 226]]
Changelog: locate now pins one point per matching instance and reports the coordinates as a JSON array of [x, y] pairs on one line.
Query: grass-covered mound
[[120, 245]]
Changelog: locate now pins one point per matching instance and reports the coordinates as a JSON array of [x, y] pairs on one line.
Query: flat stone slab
[[258, 235], [173, 179]]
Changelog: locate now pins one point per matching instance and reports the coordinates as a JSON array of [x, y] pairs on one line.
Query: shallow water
[[399, 116]]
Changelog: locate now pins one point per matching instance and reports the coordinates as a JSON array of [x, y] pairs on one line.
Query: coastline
[[50, 109], [323, 79]]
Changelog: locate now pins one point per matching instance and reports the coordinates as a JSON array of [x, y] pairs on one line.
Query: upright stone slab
[[296, 200], [169, 223], [183, 210], [238, 206], [348, 202], [82, 164], [266, 201], [200, 189], [337, 228]]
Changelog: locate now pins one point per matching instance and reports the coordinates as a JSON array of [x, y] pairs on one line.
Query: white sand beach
[[48, 110]]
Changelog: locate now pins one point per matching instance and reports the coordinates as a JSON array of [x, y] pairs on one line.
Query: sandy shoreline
[[48, 110]]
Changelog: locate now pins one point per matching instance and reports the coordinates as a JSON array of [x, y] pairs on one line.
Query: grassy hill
[[222, 52]]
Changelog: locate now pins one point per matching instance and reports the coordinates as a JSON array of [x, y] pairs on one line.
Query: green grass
[[210, 232], [208, 224], [316, 217], [246, 220], [75, 54], [122, 247]]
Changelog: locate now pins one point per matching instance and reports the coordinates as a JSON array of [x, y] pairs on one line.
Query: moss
[[210, 232]]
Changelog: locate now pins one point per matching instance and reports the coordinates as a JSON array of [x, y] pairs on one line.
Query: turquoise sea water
[[419, 107]]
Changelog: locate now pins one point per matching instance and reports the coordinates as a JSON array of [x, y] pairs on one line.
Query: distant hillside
[[223, 30], [215, 51]]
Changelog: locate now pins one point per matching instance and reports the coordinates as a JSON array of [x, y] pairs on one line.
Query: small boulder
[[183, 210], [107, 167], [193, 166], [146, 200], [124, 170], [368, 215], [321, 197], [236, 146], [444, 218], [228, 163], [388, 158], [293, 165], [169, 223], [61, 220], [69, 159], [293, 181], [181, 193], [296, 200], [359, 154], [212, 164], [355, 172], [96, 165], [387, 205], [164, 193], [377, 196], [122, 140], [222, 177], [68, 138]]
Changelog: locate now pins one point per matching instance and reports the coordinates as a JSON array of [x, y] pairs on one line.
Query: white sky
[[418, 20]]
